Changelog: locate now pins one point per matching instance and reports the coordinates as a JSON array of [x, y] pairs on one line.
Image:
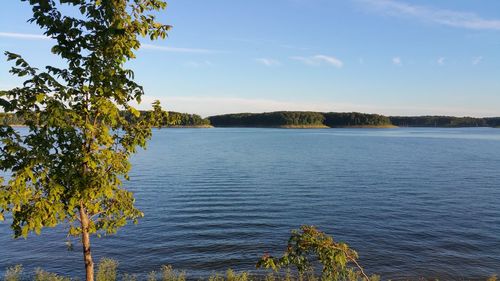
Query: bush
[[14, 273], [169, 274], [338, 261], [41, 275], [107, 270]]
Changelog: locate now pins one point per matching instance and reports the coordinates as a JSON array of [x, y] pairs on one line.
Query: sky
[[393, 57]]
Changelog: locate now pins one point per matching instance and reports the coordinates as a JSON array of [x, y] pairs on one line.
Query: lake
[[414, 202]]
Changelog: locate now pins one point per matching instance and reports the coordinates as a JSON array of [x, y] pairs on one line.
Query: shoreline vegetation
[[309, 119], [310, 255], [301, 120]]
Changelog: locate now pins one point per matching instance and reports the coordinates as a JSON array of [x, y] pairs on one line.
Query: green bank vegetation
[[171, 119], [298, 119], [308, 119], [174, 119], [444, 121], [302, 119], [310, 255]]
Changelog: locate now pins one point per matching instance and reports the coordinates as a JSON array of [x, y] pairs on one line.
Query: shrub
[[169, 274], [107, 270], [14, 273], [338, 261], [41, 275]]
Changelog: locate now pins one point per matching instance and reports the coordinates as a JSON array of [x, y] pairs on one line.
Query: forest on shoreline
[[304, 119], [170, 119]]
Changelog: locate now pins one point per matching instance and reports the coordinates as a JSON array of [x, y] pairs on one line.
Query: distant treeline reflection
[[304, 119]]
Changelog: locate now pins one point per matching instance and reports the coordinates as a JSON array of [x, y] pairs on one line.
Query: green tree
[[69, 166], [338, 260]]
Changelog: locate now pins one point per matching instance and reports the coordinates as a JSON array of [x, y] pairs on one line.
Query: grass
[[107, 270]]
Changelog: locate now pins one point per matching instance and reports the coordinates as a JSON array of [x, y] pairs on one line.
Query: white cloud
[[198, 64], [175, 49], [432, 15], [441, 60], [28, 36], [397, 61], [477, 60], [268, 62], [214, 105], [207, 106], [319, 60], [23, 36]]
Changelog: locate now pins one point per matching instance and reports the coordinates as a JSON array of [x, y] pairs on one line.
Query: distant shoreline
[[188, 127], [301, 127]]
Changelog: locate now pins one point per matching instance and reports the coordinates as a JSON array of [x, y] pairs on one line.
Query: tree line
[[347, 119], [444, 121], [299, 118], [169, 119]]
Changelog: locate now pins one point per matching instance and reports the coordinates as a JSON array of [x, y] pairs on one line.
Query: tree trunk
[[87, 256]]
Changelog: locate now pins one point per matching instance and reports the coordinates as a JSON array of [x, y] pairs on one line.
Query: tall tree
[[68, 166]]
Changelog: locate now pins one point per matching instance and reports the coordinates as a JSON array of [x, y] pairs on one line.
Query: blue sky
[[396, 57]]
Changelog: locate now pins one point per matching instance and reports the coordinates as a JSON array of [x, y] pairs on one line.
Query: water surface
[[413, 202]]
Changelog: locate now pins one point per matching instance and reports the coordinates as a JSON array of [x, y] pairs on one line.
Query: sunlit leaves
[[338, 261], [76, 151]]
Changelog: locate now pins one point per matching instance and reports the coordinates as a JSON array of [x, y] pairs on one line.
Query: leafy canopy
[[75, 151], [309, 245]]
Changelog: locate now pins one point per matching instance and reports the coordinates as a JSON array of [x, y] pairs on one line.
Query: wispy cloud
[[176, 49], [198, 64], [397, 61], [268, 62], [319, 60], [23, 36], [441, 60], [477, 60], [28, 36], [432, 15], [213, 105]]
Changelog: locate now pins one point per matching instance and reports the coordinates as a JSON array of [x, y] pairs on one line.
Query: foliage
[[351, 119], [270, 119], [185, 120], [167, 119], [14, 273], [128, 277], [41, 275], [333, 119], [152, 276], [10, 119], [298, 118], [442, 121], [69, 166], [338, 261], [169, 274], [107, 270]]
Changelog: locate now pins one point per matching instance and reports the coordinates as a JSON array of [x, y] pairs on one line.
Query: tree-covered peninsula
[[283, 119], [300, 119], [309, 119], [443, 121]]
